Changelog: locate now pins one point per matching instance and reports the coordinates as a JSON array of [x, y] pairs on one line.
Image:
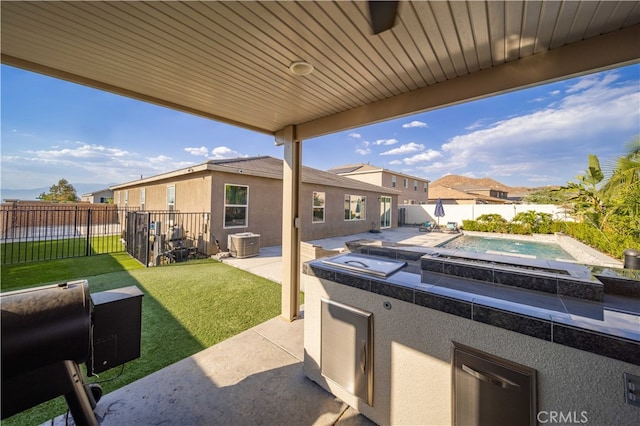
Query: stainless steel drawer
[[488, 390], [346, 356]]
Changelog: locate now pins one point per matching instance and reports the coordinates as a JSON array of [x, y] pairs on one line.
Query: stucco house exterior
[[101, 196], [245, 195], [459, 196], [413, 190]]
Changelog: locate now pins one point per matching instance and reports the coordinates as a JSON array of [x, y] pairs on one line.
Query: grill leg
[[77, 399]]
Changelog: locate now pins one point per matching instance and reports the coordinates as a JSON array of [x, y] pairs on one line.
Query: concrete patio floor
[[253, 378]]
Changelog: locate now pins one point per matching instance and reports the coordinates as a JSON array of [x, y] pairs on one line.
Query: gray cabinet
[[347, 348], [488, 390]]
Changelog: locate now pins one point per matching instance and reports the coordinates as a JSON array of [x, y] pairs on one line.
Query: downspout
[[291, 182]]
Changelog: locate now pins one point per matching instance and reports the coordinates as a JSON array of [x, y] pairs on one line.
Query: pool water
[[530, 249]]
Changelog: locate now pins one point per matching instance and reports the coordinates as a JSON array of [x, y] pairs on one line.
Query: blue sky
[[53, 129]]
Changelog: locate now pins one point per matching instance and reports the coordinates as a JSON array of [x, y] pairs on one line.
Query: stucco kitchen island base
[[412, 347]]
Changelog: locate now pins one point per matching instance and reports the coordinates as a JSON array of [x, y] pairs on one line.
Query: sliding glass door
[[385, 212]]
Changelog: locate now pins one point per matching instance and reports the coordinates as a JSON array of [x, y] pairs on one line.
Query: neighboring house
[[456, 196], [482, 190], [245, 195], [101, 196], [413, 190]]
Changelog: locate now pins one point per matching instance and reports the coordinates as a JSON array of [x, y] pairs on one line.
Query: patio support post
[[290, 222]]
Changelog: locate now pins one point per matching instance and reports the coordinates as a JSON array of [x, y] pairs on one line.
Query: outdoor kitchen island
[[393, 331]]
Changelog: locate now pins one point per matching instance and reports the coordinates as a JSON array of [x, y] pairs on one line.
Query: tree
[[622, 189], [609, 200], [551, 195], [584, 195], [62, 192]]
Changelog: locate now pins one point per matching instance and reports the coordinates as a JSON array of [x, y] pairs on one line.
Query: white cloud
[[423, 157], [203, 151], [355, 135], [475, 125], [405, 149], [414, 123], [160, 159], [595, 109], [82, 150], [395, 162], [82, 162], [224, 152], [363, 149], [386, 142]]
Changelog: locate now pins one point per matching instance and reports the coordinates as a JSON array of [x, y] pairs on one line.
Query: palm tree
[[584, 195], [622, 189]]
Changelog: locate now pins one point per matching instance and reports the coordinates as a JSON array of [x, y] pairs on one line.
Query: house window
[[171, 203], [143, 198], [425, 187], [126, 198], [236, 206], [393, 181], [355, 207], [406, 182], [318, 207], [415, 185]]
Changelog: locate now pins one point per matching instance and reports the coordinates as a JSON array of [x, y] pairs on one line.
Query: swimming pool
[[513, 247]]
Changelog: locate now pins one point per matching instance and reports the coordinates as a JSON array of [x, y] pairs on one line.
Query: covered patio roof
[[230, 61]]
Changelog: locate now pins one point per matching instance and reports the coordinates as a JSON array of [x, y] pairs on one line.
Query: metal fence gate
[[137, 236]]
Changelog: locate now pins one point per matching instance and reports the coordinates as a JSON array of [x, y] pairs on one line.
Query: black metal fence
[[160, 237], [43, 232]]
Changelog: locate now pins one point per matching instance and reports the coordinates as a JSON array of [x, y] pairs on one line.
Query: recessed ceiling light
[[300, 68]]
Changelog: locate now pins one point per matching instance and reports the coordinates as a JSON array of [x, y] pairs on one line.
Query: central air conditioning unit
[[245, 244]]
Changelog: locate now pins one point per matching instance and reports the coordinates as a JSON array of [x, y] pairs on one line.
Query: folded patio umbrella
[[439, 212]]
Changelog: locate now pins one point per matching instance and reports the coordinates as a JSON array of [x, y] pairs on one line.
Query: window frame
[[235, 206], [393, 181], [143, 198], [348, 200], [171, 206], [315, 207]]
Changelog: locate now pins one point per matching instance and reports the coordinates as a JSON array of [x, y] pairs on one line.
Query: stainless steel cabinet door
[[346, 355], [488, 390]]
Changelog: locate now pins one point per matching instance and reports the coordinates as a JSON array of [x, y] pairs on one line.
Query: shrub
[[493, 223], [612, 243], [519, 228]]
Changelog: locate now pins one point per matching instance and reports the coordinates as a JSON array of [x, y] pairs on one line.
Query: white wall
[[416, 214]]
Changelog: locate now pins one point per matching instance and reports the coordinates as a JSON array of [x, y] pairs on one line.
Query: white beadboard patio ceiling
[[229, 61]]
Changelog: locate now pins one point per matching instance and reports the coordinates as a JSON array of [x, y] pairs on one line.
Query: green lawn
[[55, 249], [186, 307], [21, 275]]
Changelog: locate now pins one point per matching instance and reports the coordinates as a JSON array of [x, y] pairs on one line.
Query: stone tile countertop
[[603, 319]]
